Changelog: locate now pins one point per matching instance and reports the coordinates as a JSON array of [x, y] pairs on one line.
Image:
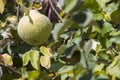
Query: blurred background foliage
[[84, 43]]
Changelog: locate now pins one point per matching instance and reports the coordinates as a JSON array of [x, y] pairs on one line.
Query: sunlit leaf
[[45, 51], [34, 58], [115, 39], [45, 61], [19, 2], [12, 18], [92, 4], [25, 58], [24, 73], [59, 28], [107, 27], [114, 68], [37, 6], [99, 67], [70, 5], [66, 69], [88, 46], [114, 33], [7, 59], [33, 75], [3, 24], [1, 6], [25, 9], [97, 16]]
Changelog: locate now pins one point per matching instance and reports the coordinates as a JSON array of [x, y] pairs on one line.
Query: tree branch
[[11, 69], [51, 4]]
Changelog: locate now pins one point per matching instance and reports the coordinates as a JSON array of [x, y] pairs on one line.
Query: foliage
[[84, 43]]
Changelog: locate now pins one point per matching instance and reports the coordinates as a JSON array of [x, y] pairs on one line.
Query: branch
[[11, 69], [51, 4], [18, 11]]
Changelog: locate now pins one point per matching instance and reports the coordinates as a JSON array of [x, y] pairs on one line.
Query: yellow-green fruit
[[34, 29]]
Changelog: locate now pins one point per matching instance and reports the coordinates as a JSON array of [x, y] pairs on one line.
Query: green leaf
[[91, 4], [60, 27], [25, 9], [25, 58], [24, 73], [115, 39], [66, 69], [104, 41], [19, 2], [45, 51], [61, 49], [114, 33], [115, 17], [114, 68], [83, 18], [99, 67], [1, 6], [88, 46], [34, 58], [69, 51], [97, 16], [70, 5], [107, 27], [33, 75]]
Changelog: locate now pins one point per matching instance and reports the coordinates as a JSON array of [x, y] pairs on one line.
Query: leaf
[[19, 2], [3, 24], [83, 18], [107, 27], [115, 16], [69, 51], [88, 46], [37, 6], [71, 4], [33, 75], [114, 33], [1, 6], [97, 16], [61, 49], [45, 51], [24, 73], [60, 28], [25, 9], [115, 39], [114, 68], [7, 59], [66, 69], [12, 18], [45, 61], [99, 67], [34, 58], [25, 58]]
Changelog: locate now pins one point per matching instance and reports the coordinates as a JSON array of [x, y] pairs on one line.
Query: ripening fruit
[[34, 29]]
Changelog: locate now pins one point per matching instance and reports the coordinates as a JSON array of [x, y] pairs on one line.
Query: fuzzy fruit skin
[[34, 29]]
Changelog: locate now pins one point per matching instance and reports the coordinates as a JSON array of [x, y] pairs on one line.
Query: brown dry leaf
[[7, 59]]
